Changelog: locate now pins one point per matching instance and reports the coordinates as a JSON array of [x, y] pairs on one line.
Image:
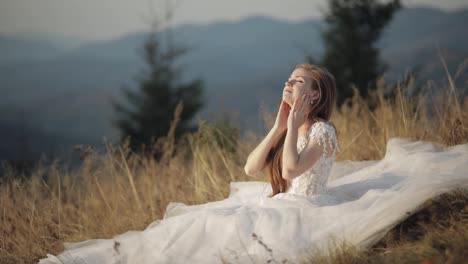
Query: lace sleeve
[[325, 136]]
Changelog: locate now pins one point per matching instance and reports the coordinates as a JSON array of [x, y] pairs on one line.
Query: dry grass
[[437, 233], [117, 191]]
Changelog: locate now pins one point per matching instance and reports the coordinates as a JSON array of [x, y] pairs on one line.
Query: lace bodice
[[314, 180]]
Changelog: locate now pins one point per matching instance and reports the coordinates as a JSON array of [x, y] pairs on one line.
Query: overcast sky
[[104, 19]]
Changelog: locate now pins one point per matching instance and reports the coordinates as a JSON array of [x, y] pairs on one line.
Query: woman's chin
[[287, 100]]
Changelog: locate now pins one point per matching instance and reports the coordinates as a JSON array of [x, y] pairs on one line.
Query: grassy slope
[[117, 191], [437, 233]]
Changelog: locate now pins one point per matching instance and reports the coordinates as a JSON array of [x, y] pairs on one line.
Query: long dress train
[[358, 205]]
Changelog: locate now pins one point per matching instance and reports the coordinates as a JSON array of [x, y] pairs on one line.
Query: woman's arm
[[256, 161], [293, 163], [290, 156]]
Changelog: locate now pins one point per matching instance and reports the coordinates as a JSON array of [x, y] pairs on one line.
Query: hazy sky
[[104, 19]]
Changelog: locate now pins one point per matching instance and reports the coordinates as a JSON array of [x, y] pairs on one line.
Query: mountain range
[[57, 90]]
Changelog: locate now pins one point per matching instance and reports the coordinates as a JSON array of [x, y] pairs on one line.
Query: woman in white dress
[[298, 214], [299, 150]]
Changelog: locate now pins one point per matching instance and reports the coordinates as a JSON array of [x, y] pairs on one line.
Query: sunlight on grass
[[116, 191]]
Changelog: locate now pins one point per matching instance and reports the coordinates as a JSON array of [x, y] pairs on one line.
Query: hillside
[[67, 91]]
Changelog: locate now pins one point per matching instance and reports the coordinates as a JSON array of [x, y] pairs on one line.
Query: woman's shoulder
[[324, 131], [322, 124]]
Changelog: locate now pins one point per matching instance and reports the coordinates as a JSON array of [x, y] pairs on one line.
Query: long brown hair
[[324, 82]]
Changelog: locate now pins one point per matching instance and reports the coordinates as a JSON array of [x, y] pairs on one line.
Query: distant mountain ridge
[[65, 90], [20, 47]]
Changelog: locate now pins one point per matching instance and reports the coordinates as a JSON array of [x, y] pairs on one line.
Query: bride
[[301, 212]]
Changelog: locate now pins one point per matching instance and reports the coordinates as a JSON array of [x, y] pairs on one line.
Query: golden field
[[116, 191]]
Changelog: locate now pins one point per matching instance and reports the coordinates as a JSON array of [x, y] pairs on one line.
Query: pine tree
[[152, 107], [353, 27]]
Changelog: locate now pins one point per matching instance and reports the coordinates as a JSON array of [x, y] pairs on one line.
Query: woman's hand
[[281, 121], [299, 112]]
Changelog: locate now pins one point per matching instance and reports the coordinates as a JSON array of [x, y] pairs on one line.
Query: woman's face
[[298, 83]]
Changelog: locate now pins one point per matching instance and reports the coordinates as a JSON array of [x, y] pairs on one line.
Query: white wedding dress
[[354, 202]]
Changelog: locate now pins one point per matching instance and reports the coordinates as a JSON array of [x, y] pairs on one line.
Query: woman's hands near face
[[282, 116], [299, 111]]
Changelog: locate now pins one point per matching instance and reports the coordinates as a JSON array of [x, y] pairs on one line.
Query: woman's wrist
[[277, 130], [292, 126]]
